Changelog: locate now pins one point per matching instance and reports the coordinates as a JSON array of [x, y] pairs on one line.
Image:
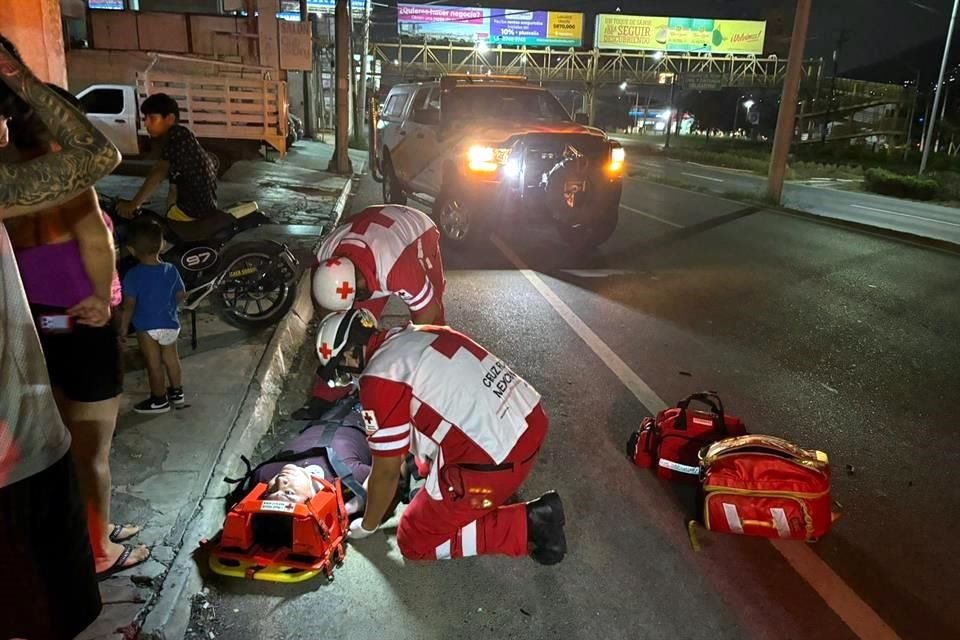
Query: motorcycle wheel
[[262, 288]]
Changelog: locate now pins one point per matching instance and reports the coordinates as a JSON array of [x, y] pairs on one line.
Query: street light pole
[[636, 110], [928, 136], [788, 103]]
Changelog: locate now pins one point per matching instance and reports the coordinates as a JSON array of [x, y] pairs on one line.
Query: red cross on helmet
[[343, 329], [335, 283]]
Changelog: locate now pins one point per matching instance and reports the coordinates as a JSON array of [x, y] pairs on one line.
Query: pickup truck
[[494, 151], [231, 117]]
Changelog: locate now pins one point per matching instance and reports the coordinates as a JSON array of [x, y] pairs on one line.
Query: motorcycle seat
[[242, 209], [202, 229]]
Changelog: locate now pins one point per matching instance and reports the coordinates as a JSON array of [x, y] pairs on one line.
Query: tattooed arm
[[53, 178]]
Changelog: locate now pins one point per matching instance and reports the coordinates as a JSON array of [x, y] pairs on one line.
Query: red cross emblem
[[325, 351], [370, 424], [344, 290], [333, 262]]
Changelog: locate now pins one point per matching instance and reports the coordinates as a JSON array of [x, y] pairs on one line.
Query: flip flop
[[115, 536], [119, 565]]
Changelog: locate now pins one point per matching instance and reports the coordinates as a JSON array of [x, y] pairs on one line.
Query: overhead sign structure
[[660, 33], [290, 9], [513, 27], [703, 81]]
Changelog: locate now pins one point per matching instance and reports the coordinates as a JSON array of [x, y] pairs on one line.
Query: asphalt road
[[836, 339], [820, 197]]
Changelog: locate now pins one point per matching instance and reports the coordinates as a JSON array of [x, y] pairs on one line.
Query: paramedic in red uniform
[[436, 393], [382, 251]]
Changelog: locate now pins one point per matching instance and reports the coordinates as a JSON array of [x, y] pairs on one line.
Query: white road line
[[697, 175], [828, 219], [905, 215], [597, 273], [630, 379], [714, 167], [651, 216], [843, 600]]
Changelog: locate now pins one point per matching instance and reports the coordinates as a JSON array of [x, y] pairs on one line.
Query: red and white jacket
[[436, 392], [391, 246]]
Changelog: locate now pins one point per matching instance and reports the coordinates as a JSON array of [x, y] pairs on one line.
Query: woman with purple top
[[66, 259]]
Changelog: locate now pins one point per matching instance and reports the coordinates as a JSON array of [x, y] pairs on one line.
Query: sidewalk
[[164, 465]]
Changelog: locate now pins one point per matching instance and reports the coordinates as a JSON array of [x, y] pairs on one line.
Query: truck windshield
[[473, 103]]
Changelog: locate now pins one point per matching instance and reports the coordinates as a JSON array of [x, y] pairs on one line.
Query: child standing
[[152, 293]]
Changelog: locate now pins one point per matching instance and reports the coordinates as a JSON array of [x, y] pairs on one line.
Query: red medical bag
[[672, 441], [765, 486]]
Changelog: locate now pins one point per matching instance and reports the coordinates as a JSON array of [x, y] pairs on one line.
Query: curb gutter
[[169, 616]]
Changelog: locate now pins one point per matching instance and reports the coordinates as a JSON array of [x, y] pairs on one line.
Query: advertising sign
[[512, 27], [659, 33], [116, 5]]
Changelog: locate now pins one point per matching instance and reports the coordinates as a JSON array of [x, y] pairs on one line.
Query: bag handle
[[767, 444], [709, 398]]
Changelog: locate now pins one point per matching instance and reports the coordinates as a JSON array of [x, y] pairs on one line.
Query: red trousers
[[433, 265], [470, 518]]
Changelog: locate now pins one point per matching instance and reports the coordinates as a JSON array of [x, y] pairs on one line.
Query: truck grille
[[542, 151]]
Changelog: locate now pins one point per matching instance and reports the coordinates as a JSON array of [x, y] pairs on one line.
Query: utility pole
[[788, 103], [341, 159], [841, 40], [928, 136], [359, 127], [913, 115], [673, 86], [309, 112]]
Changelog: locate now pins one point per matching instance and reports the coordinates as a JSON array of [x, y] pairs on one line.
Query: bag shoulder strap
[[764, 444]]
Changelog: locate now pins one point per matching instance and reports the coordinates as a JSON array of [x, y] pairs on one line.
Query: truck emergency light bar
[[453, 79]]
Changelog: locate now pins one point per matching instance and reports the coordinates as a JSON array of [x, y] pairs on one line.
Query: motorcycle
[[253, 283]]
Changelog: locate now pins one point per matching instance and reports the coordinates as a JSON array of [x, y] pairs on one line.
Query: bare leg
[[171, 362], [151, 353], [91, 426]]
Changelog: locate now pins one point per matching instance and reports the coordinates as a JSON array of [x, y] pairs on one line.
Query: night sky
[[876, 29]]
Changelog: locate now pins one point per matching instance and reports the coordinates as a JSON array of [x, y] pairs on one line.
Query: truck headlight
[[618, 156], [486, 159]]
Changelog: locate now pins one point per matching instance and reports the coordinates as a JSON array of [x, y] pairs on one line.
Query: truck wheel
[[453, 217], [392, 190], [592, 234]]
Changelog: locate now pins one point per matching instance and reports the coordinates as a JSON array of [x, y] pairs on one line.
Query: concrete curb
[[169, 617]]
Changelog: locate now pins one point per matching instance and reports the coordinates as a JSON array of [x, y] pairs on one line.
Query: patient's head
[[292, 484]]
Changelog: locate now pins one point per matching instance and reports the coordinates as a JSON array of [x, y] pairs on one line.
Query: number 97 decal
[[198, 258]]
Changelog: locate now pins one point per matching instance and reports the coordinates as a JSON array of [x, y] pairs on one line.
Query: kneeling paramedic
[[437, 393], [382, 251]]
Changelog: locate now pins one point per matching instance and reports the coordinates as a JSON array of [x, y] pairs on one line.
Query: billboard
[[658, 33], [512, 27]]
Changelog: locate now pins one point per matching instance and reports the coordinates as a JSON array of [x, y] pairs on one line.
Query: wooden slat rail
[[224, 106]]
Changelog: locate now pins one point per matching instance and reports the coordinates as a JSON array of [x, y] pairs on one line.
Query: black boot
[[545, 522]]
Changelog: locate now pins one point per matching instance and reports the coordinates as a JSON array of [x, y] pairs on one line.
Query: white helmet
[[339, 332], [335, 283]]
